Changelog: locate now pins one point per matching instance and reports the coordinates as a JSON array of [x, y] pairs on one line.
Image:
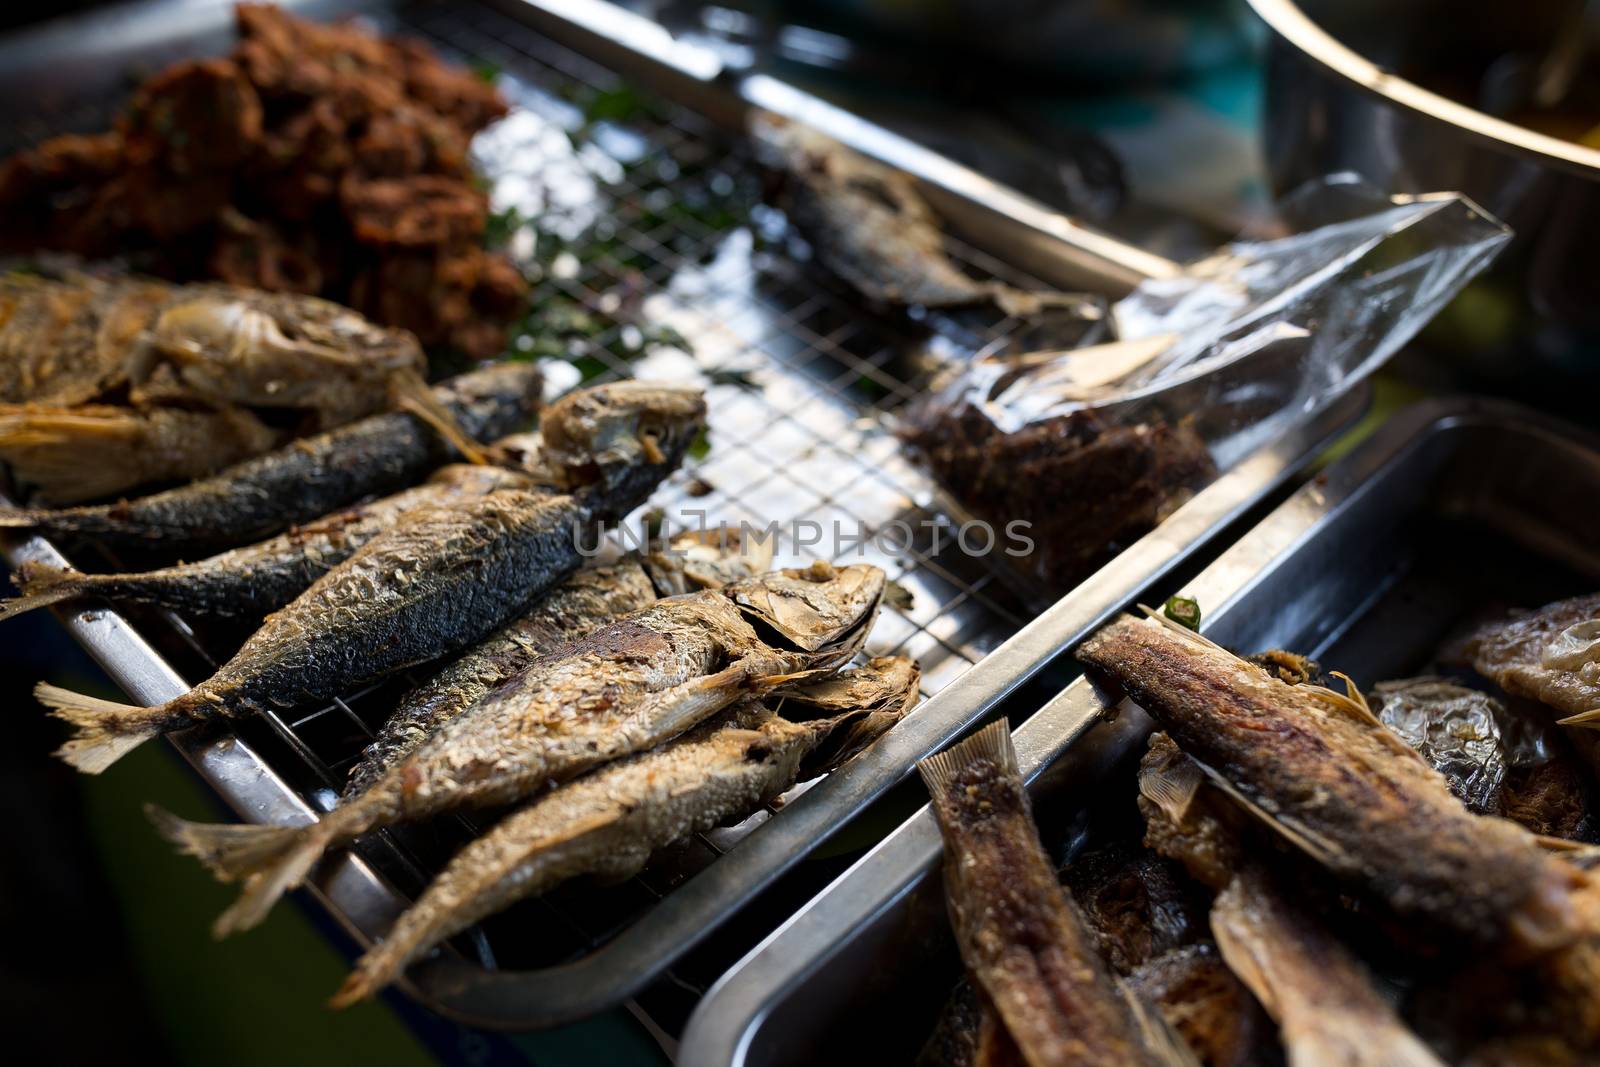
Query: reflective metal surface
[[859, 974], [1334, 103], [801, 379]]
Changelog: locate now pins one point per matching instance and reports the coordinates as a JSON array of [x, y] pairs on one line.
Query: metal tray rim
[[724, 1025], [357, 896]]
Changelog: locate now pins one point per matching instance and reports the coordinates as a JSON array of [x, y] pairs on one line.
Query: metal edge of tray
[[641, 952], [364, 903], [724, 1024]]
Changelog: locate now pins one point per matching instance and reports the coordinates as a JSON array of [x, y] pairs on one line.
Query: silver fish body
[[609, 823]]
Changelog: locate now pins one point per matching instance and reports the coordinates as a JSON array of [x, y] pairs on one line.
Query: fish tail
[[106, 730], [375, 969], [413, 395], [992, 743], [270, 860], [43, 585]]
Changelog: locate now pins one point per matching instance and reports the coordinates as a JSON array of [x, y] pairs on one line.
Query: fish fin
[[992, 743], [18, 518], [41, 586], [106, 730], [270, 860], [413, 395], [1590, 718], [1173, 788], [372, 972], [1314, 845], [1155, 1033]]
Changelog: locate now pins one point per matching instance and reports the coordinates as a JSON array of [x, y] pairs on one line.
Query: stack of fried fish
[[1398, 882], [625, 705]]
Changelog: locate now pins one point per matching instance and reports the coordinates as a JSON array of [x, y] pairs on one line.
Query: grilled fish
[[583, 603], [1022, 939], [251, 581], [610, 822], [1551, 655], [1343, 789], [86, 453], [67, 342], [870, 226], [1211, 1010], [624, 688], [1328, 1011], [444, 577], [305, 479]]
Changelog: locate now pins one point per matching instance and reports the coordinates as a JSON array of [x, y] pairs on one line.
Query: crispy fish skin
[[69, 455], [1512, 654], [1328, 1012], [623, 689], [1021, 937], [444, 577], [1210, 1009], [305, 479], [870, 226], [1388, 826], [257, 579], [610, 822], [582, 603], [64, 344]]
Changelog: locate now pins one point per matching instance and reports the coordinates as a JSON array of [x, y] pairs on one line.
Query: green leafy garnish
[[700, 447], [486, 71], [1183, 610]]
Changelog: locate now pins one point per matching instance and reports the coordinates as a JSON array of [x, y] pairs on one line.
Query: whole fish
[[257, 579], [305, 479], [263, 577], [445, 576], [1328, 1010], [1551, 655], [1322, 771], [68, 455], [870, 226], [609, 823], [65, 342], [1022, 938], [624, 688], [583, 603]]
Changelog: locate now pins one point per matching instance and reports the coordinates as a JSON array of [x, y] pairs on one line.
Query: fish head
[[620, 439], [819, 609], [708, 559], [236, 326]]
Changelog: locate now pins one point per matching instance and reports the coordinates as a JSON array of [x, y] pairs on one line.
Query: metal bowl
[[1334, 104]]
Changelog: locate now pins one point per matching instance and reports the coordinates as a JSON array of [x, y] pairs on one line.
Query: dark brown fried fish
[[1022, 939], [1346, 791], [609, 823], [1551, 655], [1210, 1009]]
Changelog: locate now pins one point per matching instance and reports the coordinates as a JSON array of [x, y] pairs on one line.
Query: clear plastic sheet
[[1242, 344]]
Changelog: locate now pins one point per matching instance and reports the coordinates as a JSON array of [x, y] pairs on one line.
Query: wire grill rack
[[651, 235]]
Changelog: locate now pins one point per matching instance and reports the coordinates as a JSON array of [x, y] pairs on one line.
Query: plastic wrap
[[1092, 446]]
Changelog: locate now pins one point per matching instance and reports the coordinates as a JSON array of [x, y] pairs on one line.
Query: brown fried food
[[1089, 489], [1516, 655], [1137, 904], [1347, 793], [968, 1034], [301, 162], [1022, 939], [1216, 1016]]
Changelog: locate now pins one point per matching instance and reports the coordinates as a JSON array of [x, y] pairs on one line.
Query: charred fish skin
[[1322, 997], [304, 480], [1020, 936], [252, 581], [609, 823], [1381, 820], [582, 603], [624, 688]]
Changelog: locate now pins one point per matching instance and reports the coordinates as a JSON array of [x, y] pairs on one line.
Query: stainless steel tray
[[806, 441], [1451, 506]]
